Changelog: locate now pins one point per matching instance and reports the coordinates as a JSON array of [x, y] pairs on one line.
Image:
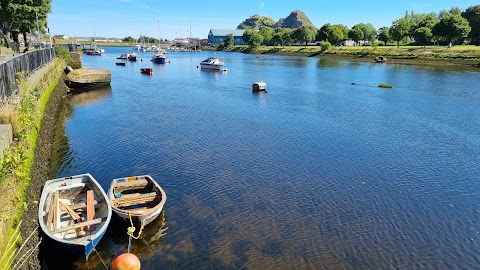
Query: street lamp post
[[38, 27]]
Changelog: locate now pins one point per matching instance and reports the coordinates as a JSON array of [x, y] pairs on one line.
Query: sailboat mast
[[159, 36]]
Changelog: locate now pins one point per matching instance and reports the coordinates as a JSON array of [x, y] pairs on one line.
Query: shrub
[[325, 45], [62, 52]]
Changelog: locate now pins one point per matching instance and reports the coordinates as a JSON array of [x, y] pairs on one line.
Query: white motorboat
[[212, 63]]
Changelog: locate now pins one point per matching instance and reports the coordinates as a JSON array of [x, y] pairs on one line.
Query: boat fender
[[118, 194]]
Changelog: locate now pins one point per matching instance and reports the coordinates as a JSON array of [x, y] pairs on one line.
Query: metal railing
[[27, 63]]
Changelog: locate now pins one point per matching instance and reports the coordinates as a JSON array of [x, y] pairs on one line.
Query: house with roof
[[60, 37], [218, 36]]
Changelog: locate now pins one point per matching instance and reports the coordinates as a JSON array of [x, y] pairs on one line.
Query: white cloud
[[262, 4]]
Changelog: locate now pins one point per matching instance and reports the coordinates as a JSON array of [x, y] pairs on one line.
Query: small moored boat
[[132, 57], [123, 56], [120, 63], [96, 52], [137, 198], [159, 58], [212, 63], [148, 71], [74, 212]]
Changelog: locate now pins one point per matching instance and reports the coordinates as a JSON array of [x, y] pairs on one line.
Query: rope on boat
[[131, 230]]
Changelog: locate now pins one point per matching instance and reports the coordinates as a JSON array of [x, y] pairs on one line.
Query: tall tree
[[356, 33], [423, 35], [255, 40], [472, 14], [267, 33], [19, 16], [338, 34], [452, 28], [304, 34], [400, 29], [248, 34], [384, 35], [322, 33], [333, 33], [278, 35], [228, 40], [287, 35]]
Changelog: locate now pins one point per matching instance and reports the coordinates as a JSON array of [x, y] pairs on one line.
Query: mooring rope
[[98, 254]]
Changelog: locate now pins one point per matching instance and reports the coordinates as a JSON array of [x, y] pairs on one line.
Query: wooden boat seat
[[131, 184], [79, 225], [133, 199]]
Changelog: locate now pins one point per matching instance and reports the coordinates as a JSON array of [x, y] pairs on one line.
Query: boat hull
[[211, 67], [159, 60], [134, 214], [57, 195]]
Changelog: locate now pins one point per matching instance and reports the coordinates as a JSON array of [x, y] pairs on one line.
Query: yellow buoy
[[126, 261]]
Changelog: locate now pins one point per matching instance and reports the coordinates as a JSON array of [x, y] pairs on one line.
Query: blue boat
[[159, 58], [74, 212]]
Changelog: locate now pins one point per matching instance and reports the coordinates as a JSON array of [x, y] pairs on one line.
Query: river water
[[324, 171]]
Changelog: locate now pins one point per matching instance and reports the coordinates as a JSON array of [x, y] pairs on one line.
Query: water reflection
[[330, 63], [115, 242], [91, 96], [213, 73]]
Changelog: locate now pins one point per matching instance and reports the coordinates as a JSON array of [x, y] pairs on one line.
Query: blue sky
[[122, 18]]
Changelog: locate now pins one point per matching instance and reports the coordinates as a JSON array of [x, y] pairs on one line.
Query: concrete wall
[[6, 136]]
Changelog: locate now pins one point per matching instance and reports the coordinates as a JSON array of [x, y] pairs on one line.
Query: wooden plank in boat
[[137, 199], [81, 224], [90, 209], [135, 183], [80, 206]]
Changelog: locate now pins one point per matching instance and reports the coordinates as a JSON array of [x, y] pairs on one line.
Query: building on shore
[[218, 36]]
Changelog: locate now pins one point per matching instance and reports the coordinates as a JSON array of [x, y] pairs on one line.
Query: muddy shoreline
[[40, 172]]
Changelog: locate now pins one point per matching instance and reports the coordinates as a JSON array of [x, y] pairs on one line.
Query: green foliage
[[228, 40], [399, 30], [255, 40], [322, 33], [62, 52], [255, 22], [384, 35], [19, 16], [304, 34], [247, 34], [356, 33], [472, 14], [452, 27], [423, 35], [325, 45], [129, 39], [267, 34], [287, 35], [333, 33]]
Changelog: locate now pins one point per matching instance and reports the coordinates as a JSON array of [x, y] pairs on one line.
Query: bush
[[325, 45], [62, 52]]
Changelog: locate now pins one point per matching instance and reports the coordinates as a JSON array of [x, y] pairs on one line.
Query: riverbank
[[468, 56], [42, 91]]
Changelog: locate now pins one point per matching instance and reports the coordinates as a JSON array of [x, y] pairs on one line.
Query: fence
[[27, 62]]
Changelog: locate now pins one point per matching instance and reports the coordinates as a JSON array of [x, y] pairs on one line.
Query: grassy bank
[[25, 113], [466, 55]]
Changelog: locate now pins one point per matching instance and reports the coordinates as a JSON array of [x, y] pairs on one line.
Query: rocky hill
[[256, 21], [296, 19]]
